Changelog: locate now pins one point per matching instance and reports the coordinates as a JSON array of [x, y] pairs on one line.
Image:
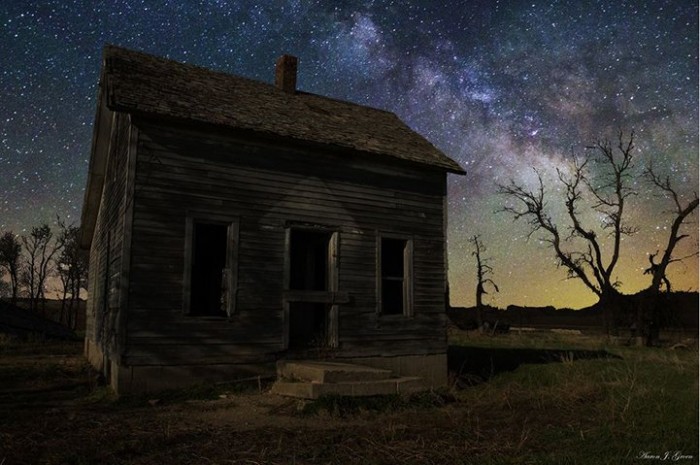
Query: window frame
[[232, 224], [408, 277]]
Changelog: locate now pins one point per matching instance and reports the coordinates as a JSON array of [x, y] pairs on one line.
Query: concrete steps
[[311, 379]]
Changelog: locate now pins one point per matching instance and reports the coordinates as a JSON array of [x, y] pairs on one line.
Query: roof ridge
[[138, 82], [173, 62], [298, 92]]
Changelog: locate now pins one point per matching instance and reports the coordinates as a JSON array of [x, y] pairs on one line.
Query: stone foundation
[[94, 355], [141, 379]]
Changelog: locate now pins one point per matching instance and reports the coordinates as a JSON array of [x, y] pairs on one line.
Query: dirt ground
[[515, 403], [54, 410]]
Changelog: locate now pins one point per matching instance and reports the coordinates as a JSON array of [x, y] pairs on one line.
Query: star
[[501, 87]]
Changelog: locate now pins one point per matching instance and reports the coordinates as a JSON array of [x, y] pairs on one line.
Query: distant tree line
[[27, 261]]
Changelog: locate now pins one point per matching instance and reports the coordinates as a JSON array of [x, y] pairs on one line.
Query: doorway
[[311, 277], [308, 325]]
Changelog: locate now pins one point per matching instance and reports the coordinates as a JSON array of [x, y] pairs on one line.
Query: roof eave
[[96, 170], [447, 165]]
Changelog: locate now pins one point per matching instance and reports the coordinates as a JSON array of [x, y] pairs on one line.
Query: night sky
[[501, 87]]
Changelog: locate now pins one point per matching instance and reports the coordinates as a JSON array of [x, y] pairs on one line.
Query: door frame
[[331, 296], [231, 263]]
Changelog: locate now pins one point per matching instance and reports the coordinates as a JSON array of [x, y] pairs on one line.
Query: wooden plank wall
[[268, 188], [105, 270]]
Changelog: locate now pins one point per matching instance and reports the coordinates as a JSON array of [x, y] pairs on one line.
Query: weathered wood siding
[[268, 188], [103, 306]]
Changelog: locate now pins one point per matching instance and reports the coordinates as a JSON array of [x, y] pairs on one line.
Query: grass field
[[531, 398]]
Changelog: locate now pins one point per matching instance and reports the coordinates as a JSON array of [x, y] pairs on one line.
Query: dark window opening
[[308, 256], [308, 325], [393, 265], [208, 263]]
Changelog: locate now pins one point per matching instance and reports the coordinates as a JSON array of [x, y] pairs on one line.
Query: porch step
[[328, 372], [310, 379], [315, 389]]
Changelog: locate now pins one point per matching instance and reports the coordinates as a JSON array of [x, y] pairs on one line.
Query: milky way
[[501, 87]]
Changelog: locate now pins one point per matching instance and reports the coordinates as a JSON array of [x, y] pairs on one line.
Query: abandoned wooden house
[[233, 224]]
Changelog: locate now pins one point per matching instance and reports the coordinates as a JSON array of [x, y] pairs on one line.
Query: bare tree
[[483, 270], [681, 212], [10, 254], [579, 249], [650, 310], [72, 267], [38, 262]]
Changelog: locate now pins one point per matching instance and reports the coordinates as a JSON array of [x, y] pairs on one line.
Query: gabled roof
[[139, 83]]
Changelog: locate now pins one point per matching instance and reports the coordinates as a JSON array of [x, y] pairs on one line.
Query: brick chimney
[[286, 73]]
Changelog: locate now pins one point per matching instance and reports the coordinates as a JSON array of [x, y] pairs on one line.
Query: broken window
[[209, 281], [395, 276], [208, 265]]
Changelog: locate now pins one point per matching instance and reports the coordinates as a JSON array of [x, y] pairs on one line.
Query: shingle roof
[[136, 82]]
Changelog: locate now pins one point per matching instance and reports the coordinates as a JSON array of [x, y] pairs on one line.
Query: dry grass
[[528, 399]]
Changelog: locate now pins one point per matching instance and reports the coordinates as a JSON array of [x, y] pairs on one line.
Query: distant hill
[[681, 312], [20, 322]]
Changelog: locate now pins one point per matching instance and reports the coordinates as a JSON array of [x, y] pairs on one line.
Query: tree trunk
[[479, 307], [15, 286], [611, 304], [650, 310], [62, 316]]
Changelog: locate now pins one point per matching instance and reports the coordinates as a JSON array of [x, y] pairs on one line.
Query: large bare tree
[[579, 247]]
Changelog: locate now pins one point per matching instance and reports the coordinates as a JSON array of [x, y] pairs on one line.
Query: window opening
[[393, 275], [208, 269]]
